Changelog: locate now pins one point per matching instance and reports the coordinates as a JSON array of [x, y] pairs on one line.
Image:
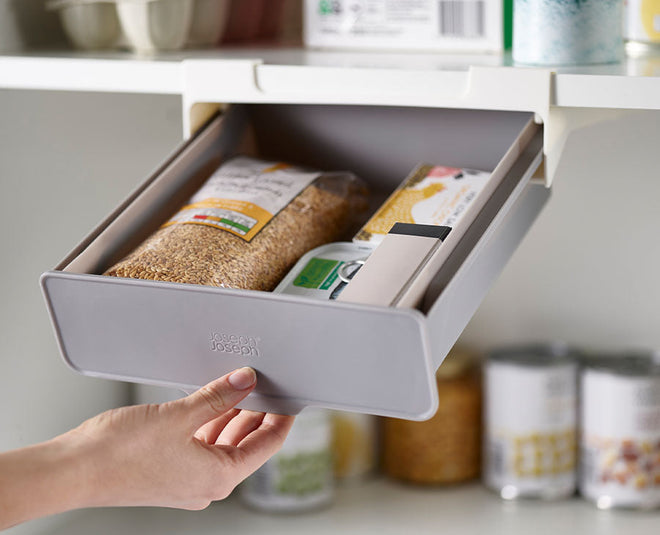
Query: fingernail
[[243, 378]]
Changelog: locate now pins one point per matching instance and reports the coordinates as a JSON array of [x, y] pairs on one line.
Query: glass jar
[[641, 27], [299, 477], [354, 446], [447, 448]]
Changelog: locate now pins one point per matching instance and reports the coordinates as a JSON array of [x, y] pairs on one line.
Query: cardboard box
[[432, 25]]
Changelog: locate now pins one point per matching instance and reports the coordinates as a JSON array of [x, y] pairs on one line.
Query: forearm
[[41, 480]]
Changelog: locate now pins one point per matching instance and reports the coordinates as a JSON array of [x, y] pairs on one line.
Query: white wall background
[[587, 273], [65, 161]]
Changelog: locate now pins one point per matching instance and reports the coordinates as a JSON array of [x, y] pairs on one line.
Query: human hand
[[182, 454]]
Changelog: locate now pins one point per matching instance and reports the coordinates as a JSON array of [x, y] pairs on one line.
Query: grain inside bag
[[247, 226]]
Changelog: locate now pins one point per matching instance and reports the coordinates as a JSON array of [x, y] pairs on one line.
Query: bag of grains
[[247, 226]]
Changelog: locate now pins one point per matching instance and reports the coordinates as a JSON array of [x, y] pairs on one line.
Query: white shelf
[[458, 80], [111, 73], [296, 75], [378, 507]]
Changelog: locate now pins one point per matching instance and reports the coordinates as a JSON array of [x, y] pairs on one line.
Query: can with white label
[[530, 414], [620, 432], [300, 476]]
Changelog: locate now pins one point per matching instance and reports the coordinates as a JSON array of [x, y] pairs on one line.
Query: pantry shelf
[[377, 507], [482, 81], [108, 73]]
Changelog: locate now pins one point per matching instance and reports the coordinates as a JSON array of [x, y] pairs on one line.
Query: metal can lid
[[627, 363], [535, 355]]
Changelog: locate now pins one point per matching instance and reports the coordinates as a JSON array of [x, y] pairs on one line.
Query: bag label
[[431, 195], [243, 195]]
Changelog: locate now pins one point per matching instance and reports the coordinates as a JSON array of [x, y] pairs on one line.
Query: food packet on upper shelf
[[248, 225], [430, 195]]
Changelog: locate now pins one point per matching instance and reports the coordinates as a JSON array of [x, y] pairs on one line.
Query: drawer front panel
[[306, 352]]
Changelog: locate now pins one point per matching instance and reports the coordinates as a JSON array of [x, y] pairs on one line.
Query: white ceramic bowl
[[153, 25], [89, 24]]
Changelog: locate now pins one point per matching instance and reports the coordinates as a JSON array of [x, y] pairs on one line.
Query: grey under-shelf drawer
[[350, 356]]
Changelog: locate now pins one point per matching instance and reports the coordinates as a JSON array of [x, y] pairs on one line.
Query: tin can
[[324, 272], [620, 432], [641, 28], [530, 413], [567, 32], [445, 449], [300, 476]]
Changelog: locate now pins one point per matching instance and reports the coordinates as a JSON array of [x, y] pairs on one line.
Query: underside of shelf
[[209, 78]]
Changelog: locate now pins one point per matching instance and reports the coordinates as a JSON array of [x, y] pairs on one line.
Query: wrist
[[41, 480], [80, 472]]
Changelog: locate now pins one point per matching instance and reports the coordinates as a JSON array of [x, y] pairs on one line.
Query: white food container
[[620, 435], [209, 22], [152, 25], [89, 24], [427, 25], [530, 412]]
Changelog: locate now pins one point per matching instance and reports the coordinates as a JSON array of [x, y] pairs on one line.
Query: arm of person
[[184, 454]]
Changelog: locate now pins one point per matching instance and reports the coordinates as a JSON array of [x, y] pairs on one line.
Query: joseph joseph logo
[[235, 344]]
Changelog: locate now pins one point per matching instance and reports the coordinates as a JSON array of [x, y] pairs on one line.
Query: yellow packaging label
[[431, 195], [243, 195]]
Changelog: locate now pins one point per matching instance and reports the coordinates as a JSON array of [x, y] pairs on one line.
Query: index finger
[[216, 398]]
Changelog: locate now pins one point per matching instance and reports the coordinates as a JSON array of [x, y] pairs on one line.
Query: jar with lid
[[446, 448], [299, 477], [354, 446]]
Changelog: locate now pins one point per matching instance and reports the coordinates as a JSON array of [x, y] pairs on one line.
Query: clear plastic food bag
[[247, 226]]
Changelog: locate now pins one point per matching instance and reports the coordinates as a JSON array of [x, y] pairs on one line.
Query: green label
[[331, 278], [234, 224], [327, 7], [304, 473], [315, 272]]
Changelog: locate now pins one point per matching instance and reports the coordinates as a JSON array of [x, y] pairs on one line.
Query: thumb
[[217, 397]]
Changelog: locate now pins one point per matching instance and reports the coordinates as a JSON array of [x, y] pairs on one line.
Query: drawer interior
[[383, 144], [379, 144]]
